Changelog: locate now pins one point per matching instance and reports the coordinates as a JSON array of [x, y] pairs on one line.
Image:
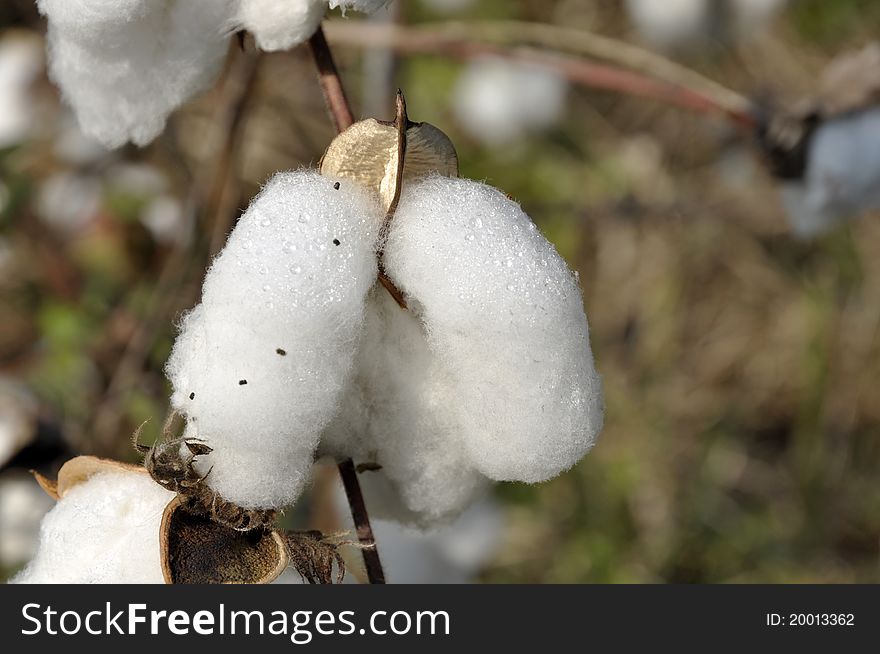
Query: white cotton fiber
[[498, 102], [398, 412], [282, 311], [103, 531], [125, 67], [280, 25], [842, 177], [505, 323]]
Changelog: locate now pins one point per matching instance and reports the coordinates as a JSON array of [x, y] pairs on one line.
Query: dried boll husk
[[195, 550], [370, 153], [189, 548]]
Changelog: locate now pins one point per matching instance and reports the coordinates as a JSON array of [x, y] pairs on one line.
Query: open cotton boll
[[498, 102], [123, 84], [259, 366], [280, 25], [397, 413], [842, 177], [105, 530], [670, 23], [504, 318], [22, 505], [93, 20]]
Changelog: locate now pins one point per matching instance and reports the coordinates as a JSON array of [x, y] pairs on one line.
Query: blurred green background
[[741, 365]]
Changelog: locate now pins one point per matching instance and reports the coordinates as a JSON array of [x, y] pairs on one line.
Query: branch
[[331, 83], [627, 68], [361, 521], [340, 110]]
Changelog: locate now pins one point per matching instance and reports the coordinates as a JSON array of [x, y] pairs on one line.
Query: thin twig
[[340, 110], [372, 563], [626, 68], [331, 82]]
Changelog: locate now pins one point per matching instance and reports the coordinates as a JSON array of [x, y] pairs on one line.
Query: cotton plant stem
[[331, 82], [340, 111], [616, 66], [372, 563]]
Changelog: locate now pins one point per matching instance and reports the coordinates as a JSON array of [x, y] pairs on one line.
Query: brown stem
[[361, 521], [340, 110], [331, 83], [625, 68]]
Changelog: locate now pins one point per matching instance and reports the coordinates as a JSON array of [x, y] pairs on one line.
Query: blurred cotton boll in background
[[21, 61], [498, 102], [673, 24], [842, 177], [22, 505]]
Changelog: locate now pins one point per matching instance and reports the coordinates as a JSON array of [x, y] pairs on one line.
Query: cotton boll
[[259, 366], [498, 102], [670, 23], [104, 530], [842, 177], [94, 20], [123, 88], [280, 25], [397, 413], [505, 320]]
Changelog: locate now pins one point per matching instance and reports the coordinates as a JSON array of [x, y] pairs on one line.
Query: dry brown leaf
[[368, 153]]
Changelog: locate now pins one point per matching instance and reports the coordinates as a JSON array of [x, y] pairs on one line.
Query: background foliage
[[741, 366]]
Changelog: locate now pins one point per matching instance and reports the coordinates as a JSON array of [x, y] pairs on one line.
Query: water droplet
[[266, 288], [264, 270], [296, 270], [511, 287], [265, 222], [470, 237]]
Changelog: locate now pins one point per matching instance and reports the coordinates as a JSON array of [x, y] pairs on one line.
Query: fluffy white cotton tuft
[[498, 102], [504, 321], [669, 23], [125, 66], [259, 366], [683, 23], [842, 178], [103, 531], [21, 60], [488, 374], [280, 25], [364, 6], [397, 412]]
